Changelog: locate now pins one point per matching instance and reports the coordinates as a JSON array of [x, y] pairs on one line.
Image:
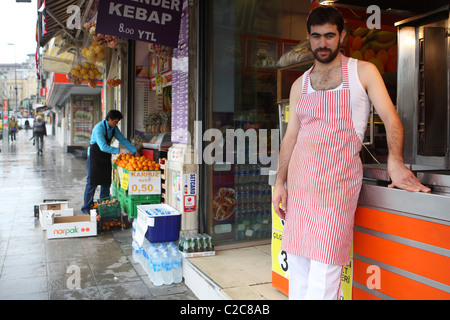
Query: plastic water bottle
[[135, 246], [150, 250], [134, 228], [172, 246], [177, 270], [160, 246], [167, 267], [145, 258], [140, 256], [157, 263]]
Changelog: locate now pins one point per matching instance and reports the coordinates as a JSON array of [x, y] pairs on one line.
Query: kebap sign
[[155, 21]]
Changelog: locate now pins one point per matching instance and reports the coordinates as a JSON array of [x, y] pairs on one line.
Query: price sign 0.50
[[144, 182]]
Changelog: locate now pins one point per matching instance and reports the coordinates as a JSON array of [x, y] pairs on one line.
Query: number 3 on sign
[[283, 261]]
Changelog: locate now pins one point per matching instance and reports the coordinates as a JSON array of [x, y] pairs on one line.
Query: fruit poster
[[83, 119], [374, 45]]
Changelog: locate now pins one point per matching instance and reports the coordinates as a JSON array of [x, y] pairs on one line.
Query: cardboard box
[[72, 226], [58, 209]]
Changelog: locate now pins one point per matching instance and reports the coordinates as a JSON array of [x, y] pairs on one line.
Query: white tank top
[[359, 99]]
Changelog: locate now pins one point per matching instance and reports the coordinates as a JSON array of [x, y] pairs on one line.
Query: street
[[34, 268]]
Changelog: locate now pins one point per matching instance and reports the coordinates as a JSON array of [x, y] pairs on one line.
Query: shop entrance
[[247, 40]]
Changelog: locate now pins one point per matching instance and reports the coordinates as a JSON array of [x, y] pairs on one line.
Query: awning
[[57, 16], [57, 58], [38, 106]]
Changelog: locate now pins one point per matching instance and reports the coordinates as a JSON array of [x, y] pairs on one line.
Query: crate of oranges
[[132, 163], [109, 207], [139, 177]]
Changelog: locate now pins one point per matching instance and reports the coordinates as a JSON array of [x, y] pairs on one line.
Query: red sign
[[190, 203], [43, 92], [5, 112]]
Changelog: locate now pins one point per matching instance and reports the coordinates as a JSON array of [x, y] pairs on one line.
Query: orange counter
[[401, 247]]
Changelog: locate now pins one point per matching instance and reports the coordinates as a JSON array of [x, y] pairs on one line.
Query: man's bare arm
[[400, 175], [287, 146]]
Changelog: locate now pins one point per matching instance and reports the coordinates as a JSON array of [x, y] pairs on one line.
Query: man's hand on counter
[[403, 178]]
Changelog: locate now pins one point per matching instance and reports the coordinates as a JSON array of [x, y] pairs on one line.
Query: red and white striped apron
[[324, 176]]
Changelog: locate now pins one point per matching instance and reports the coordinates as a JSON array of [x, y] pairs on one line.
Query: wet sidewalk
[[32, 267]]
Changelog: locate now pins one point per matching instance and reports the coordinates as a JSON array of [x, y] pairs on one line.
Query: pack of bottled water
[[161, 261]]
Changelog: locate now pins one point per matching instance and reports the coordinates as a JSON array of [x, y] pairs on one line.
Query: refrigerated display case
[[85, 111], [156, 146], [246, 39]]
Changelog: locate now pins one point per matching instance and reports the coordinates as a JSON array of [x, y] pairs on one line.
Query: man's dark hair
[[114, 115], [322, 15]]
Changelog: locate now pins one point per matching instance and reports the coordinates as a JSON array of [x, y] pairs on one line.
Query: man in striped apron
[[319, 176]]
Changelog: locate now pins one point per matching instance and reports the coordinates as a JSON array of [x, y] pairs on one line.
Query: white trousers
[[313, 280]]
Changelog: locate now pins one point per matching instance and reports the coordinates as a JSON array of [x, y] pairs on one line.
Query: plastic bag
[[101, 39], [301, 53], [83, 70], [93, 46], [113, 76]]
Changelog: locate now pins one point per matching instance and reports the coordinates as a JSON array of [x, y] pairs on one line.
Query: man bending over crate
[[98, 162]]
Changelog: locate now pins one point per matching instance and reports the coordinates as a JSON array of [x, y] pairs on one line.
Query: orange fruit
[[357, 55], [392, 65], [357, 43], [369, 54], [383, 56], [393, 50], [350, 39]]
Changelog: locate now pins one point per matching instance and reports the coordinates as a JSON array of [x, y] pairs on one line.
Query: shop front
[[77, 110], [401, 239], [245, 41], [207, 99]]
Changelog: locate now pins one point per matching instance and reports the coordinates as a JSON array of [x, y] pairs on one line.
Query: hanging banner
[[156, 21]]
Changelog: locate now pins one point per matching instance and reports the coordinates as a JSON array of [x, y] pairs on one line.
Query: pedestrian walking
[[39, 131], [320, 162], [98, 162], [13, 128]]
